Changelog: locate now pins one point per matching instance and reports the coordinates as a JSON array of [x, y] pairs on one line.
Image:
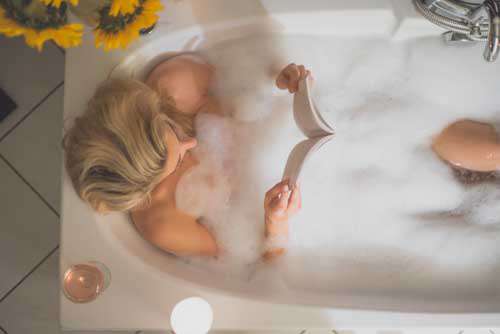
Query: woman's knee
[[469, 144]]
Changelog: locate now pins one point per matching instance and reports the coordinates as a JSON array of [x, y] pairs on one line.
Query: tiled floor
[[30, 165]]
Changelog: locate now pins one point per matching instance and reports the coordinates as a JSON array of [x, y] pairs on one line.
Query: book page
[[306, 115], [299, 156]]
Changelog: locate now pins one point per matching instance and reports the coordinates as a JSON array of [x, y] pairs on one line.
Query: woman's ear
[[102, 208]]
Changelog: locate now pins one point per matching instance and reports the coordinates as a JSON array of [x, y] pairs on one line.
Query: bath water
[[380, 210]]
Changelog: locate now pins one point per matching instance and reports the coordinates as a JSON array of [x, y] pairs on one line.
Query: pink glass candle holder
[[84, 282]]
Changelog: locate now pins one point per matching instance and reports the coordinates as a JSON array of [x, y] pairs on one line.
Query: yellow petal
[[123, 7], [53, 3], [9, 27], [130, 33], [68, 36]]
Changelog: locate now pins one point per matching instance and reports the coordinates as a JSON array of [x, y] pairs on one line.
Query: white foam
[[380, 210], [482, 205]]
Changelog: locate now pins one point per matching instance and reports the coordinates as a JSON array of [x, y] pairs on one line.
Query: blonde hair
[[115, 153]]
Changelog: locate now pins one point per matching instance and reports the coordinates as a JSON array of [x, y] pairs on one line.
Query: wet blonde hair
[[115, 153]]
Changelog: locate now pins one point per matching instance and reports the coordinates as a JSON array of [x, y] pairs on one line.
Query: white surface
[[140, 295], [349, 18], [410, 23]]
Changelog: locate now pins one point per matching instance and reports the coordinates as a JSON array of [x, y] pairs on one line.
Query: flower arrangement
[[120, 23], [38, 23], [117, 24]]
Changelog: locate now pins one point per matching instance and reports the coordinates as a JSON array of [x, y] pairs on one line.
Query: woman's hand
[[280, 203], [290, 76]]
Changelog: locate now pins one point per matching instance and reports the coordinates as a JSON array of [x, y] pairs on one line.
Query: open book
[[312, 125]]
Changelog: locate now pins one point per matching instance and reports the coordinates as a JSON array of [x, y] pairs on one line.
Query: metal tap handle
[[492, 46]]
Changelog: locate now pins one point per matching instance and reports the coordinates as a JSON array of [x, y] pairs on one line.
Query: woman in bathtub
[[129, 149], [132, 145]]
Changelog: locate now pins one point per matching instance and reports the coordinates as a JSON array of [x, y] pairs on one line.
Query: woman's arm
[[280, 203], [469, 144], [179, 234], [274, 251]]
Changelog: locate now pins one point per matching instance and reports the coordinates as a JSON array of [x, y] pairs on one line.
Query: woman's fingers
[[297, 73], [283, 80], [302, 71], [294, 77], [279, 205], [290, 76], [294, 203], [281, 202], [292, 71], [275, 191]]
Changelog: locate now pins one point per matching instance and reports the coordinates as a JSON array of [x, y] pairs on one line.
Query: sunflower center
[[113, 24], [33, 14]]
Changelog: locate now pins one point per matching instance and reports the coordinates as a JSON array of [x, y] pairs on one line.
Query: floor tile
[[34, 148], [33, 308], [27, 76], [29, 230]]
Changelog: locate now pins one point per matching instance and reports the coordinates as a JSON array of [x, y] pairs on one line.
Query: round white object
[[192, 316]]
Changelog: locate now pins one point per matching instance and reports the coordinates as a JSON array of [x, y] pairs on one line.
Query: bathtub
[[147, 283]]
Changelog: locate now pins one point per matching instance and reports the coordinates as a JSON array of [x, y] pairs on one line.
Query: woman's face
[[178, 145]]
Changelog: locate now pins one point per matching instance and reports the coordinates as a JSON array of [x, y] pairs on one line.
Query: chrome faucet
[[472, 20], [492, 10]]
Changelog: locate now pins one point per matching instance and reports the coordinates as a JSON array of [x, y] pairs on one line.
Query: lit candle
[[192, 316]]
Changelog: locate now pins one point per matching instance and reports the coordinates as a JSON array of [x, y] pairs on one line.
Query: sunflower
[[65, 35], [57, 3], [123, 7], [119, 31]]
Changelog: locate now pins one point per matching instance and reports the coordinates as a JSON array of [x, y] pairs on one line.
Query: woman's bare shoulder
[[150, 220], [175, 232], [212, 106], [185, 79]]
